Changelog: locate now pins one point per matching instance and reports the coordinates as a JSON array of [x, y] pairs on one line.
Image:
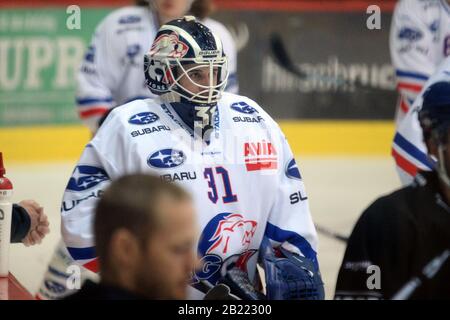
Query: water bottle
[[6, 190]]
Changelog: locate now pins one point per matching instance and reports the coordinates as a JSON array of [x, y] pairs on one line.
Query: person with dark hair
[[400, 246], [202, 9], [144, 232]]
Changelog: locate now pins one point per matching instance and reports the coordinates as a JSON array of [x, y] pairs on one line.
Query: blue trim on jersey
[[412, 150], [85, 101], [57, 273], [277, 234], [82, 253], [414, 75]]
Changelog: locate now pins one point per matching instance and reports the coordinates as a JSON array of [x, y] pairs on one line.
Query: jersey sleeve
[[20, 223], [408, 149], [98, 75], [411, 37], [377, 257], [290, 223], [100, 163]]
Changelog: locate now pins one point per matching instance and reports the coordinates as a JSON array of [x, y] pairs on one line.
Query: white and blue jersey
[[419, 42], [245, 182], [409, 149], [112, 72]]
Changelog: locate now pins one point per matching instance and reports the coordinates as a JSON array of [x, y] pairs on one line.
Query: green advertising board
[[40, 52]]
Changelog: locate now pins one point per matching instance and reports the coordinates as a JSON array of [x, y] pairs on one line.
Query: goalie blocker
[[287, 276]]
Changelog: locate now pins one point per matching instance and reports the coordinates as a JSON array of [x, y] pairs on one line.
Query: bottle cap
[[2, 168]]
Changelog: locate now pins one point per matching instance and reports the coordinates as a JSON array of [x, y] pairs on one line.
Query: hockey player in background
[[408, 147], [405, 236], [223, 148], [111, 72], [419, 43]]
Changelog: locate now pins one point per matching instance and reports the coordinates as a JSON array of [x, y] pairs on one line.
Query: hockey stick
[[428, 273], [331, 234], [283, 58]]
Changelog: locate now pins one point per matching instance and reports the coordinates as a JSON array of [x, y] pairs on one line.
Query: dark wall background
[[349, 75]]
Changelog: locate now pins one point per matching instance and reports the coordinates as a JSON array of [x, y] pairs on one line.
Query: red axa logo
[[260, 156], [234, 232]]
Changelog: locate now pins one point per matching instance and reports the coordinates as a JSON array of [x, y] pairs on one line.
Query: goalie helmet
[[434, 118], [180, 47]]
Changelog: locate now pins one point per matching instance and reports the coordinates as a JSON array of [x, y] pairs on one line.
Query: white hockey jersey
[[245, 182], [112, 72], [419, 42], [408, 149]]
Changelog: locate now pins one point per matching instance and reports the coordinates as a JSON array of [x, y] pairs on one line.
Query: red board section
[[304, 5], [63, 3], [11, 289], [249, 5]]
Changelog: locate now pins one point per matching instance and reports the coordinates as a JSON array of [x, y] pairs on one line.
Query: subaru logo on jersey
[[143, 118], [243, 107], [260, 156], [181, 176], [129, 19], [224, 234], [150, 130], [54, 287], [410, 34], [292, 171], [85, 177], [166, 158]]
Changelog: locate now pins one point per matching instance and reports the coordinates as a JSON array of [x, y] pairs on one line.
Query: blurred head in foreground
[[145, 234]]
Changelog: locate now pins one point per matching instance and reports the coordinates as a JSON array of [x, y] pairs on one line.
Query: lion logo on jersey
[[227, 232], [233, 230], [224, 239]]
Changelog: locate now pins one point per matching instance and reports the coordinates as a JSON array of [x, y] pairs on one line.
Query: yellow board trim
[[335, 138], [43, 144], [307, 138]]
